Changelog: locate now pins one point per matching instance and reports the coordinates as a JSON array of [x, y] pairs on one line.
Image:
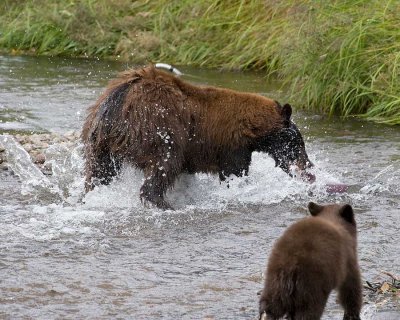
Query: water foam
[[117, 207], [264, 185]]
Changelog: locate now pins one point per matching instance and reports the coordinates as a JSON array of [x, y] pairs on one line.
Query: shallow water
[[105, 256]]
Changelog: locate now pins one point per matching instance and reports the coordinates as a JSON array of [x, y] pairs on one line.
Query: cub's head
[[286, 147], [342, 214]]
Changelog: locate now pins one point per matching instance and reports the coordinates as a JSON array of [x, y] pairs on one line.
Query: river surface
[[64, 255]]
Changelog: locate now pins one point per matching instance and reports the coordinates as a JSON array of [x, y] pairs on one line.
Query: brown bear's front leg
[[350, 295], [235, 162], [157, 180]]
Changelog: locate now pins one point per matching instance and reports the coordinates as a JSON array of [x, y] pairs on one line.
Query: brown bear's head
[[342, 214], [286, 147]]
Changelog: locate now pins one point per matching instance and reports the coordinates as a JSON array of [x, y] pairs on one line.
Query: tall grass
[[350, 63], [339, 57]]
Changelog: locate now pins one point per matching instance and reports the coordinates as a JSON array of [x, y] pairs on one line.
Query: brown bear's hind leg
[[309, 301], [101, 168], [350, 295], [157, 181], [312, 313], [273, 310]]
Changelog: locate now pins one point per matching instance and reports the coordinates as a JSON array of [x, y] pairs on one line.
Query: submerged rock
[[40, 159]]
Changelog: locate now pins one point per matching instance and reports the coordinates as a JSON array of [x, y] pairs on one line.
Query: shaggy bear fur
[[313, 257], [166, 126]]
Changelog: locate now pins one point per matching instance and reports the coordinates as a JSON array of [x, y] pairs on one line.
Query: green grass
[[337, 57], [351, 64]]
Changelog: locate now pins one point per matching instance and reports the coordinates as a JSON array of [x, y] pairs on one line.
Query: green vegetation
[[339, 57]]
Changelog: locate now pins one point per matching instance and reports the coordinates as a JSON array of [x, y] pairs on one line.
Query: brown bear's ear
[[287, 111], [314, 208], [346, 212]]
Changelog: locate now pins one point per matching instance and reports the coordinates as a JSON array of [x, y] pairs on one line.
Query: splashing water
[[34, 181], [65, 209], [104, 255]]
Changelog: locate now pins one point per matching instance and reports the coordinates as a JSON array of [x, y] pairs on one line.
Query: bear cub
[[313, 257]]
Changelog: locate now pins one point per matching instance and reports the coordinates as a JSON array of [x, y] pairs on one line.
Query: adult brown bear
[[313, 257], [166, 126]]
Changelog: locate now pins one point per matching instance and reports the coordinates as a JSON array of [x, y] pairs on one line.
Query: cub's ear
[[287, 111], [346, 212], [314, 208]]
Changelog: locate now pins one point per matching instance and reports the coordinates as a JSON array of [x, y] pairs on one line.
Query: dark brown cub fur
[[313, 257], [166, 126]]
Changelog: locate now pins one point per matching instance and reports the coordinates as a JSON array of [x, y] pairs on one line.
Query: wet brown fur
[[167, 126], [313, 257]]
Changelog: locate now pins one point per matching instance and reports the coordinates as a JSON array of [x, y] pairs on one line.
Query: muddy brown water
[[107, 257]]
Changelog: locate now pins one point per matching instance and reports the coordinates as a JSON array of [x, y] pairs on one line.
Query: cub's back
[[313, 247]]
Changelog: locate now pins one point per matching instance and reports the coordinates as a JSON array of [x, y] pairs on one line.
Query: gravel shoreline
[[36, 145]]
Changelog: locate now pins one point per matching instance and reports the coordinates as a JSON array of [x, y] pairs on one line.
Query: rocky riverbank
[[36, 145]]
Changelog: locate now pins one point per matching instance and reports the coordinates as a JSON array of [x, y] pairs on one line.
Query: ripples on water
[[103, 256]]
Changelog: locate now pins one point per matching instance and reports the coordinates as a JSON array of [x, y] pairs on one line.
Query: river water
[[107, 257]]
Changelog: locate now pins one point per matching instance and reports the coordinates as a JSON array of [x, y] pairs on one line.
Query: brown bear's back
[[223, 116]]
